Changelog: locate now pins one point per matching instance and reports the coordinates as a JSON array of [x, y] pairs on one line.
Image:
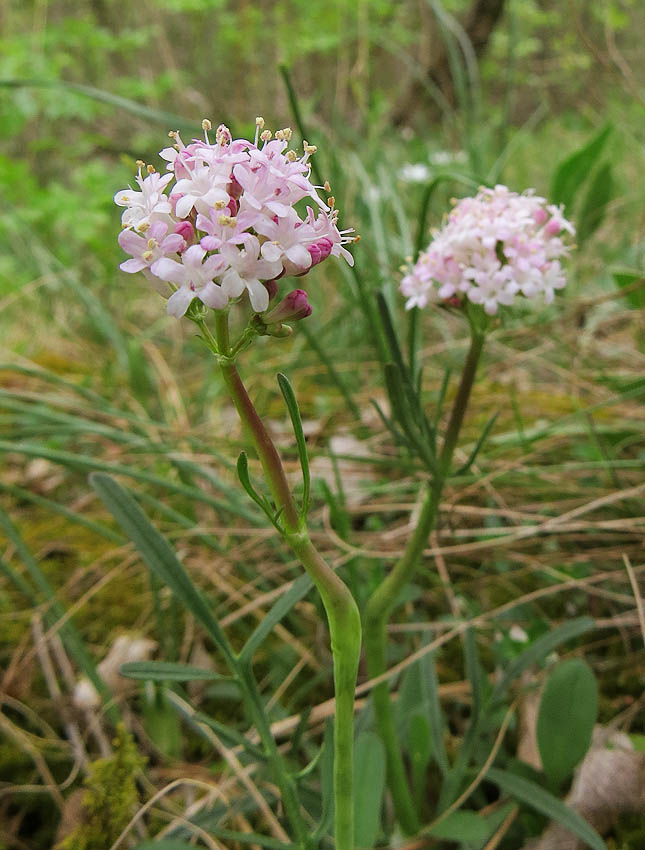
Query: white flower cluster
[[492, 247], [228, 223]]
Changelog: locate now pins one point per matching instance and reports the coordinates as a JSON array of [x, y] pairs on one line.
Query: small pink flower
[[194, 278], [148, 249]]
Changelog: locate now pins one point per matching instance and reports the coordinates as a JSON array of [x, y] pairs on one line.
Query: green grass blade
[[539, 650], [276, 613], [538, 798], [159, 556], [296, 421], [170, 671]]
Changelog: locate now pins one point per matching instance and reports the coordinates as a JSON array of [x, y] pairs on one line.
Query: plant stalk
[[384, 599], [342, 612]]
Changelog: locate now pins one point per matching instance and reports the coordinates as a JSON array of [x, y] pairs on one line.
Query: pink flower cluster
[[229, 223], [491, 248]]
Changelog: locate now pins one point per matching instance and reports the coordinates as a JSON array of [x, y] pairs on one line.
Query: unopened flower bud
[[292, 308], [271, 287], [325, 245], [186, 230], [316, 254]]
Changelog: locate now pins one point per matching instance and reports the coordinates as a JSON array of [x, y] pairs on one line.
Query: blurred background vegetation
[[410, 102]]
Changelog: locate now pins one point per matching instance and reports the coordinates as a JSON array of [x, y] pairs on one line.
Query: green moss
[[629, 832], [111, 797]]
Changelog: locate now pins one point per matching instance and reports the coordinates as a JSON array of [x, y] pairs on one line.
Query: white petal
[[184, 206], [258, 294], [232, 284], [132, 266], [213, 296], [179, 302], [170, 270], [299, 255], [272, 252]]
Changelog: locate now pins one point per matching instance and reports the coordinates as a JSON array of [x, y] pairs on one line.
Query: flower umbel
[[229, 223], [492, 248]]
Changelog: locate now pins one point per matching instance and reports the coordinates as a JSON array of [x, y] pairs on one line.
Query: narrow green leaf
[[626, 278], [480, 442], [245, 481], [217, 832], [567, 714], [79, 461], [146, 113], [197, 720], [573, 171], [300, 588], [326, 783], [158, 555], [542, 801], [170, 671], [441, 398], [369, 784], [419, 746], [539, 650], [390, 333], [334, 374], [461, 826], [430, 684], [161, 721], [401, 411], [594, 205], [296, 422]]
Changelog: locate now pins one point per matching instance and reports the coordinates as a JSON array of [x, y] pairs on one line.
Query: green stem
[[384, 599], [345, 630], [342, 612]]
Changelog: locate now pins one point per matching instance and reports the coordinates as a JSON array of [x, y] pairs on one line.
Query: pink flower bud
[[292, 308], [316, 254], [271, 287], [325, 245], [553, 227], [186, 231], [540, 216], [234, 189]]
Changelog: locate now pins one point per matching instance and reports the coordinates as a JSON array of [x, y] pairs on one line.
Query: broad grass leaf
[[298, 590], [369, 784], [573, 171], [543, 801], [158, 555], [594, 205], [462, 826], [420, 752], [624, 278], [567, 714], [539, 650]]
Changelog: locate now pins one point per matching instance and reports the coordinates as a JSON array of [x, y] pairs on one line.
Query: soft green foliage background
[[94, 376]]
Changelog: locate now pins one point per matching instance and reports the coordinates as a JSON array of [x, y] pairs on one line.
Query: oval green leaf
[[568, 711]]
